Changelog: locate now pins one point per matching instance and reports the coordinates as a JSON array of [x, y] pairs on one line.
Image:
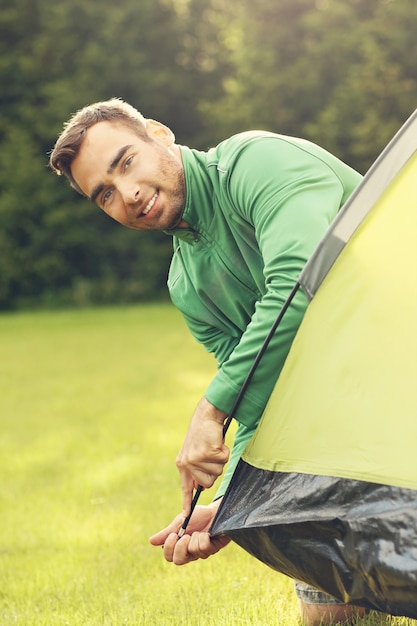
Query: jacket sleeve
[[290, 196]]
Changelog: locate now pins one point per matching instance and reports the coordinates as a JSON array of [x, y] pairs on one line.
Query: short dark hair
[[70, 140]]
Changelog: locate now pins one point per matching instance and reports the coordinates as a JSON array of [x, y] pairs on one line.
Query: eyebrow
[[114, 163]]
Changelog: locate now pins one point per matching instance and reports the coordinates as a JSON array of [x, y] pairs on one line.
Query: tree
[[55, 58], [340, 73]]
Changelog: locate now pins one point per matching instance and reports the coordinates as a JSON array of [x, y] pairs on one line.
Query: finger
[[200, 545], [218, 542], [158, 539], [205, 479], [206, 476], [208, 461], [187, 488], [181, 555], [169, 547], [206, 470]]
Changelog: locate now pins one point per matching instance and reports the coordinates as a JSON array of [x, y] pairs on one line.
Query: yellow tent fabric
[[326, 491], [345, 404]]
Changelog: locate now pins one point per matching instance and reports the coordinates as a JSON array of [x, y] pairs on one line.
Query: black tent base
[[354, 540]]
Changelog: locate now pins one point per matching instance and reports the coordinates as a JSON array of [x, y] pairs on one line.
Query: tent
[[326, 490]]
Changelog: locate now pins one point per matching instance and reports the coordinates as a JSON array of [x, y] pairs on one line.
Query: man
[[245, 217]]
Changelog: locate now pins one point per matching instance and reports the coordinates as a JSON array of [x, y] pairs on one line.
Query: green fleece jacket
[[257, 206]]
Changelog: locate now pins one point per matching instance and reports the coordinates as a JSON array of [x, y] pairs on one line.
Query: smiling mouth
[[150, 204]]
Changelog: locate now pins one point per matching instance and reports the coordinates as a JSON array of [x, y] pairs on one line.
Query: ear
[[160, 132]]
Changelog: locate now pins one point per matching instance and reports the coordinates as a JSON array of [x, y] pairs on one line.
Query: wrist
[[215, 414]]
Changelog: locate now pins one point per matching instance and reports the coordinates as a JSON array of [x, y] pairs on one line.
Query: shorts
[[311, 595]]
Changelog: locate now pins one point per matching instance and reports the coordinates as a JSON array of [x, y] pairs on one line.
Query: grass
[[93, 407]]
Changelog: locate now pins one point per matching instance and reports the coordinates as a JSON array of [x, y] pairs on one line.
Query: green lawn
[[93, 407]]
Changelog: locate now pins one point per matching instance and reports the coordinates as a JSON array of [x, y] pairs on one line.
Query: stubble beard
[[175, 181], [178, 199]]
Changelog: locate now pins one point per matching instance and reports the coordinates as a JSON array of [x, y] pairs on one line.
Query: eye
[[106, 196], [128, 162]]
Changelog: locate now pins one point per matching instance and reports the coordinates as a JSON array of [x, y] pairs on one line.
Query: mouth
[[150, 204]]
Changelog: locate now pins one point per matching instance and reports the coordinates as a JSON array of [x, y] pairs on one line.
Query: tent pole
[[242, 392]]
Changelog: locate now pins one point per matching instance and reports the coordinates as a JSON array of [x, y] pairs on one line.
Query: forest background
[[339, 72]]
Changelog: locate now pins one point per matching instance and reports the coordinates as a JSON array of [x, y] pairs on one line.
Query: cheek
[[115, 211]]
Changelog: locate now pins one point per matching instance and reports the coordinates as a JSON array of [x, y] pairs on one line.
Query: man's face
[[138, 183]]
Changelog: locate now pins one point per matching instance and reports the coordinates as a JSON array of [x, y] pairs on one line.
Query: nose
[[130, 192]]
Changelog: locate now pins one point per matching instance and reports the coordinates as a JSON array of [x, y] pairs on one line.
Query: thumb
[[159, 538]]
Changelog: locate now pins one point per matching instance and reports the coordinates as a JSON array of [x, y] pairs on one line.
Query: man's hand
[[203, 454], [197, 543]]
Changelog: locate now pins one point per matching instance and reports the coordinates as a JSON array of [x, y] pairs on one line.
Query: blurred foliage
[[340, 73]]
